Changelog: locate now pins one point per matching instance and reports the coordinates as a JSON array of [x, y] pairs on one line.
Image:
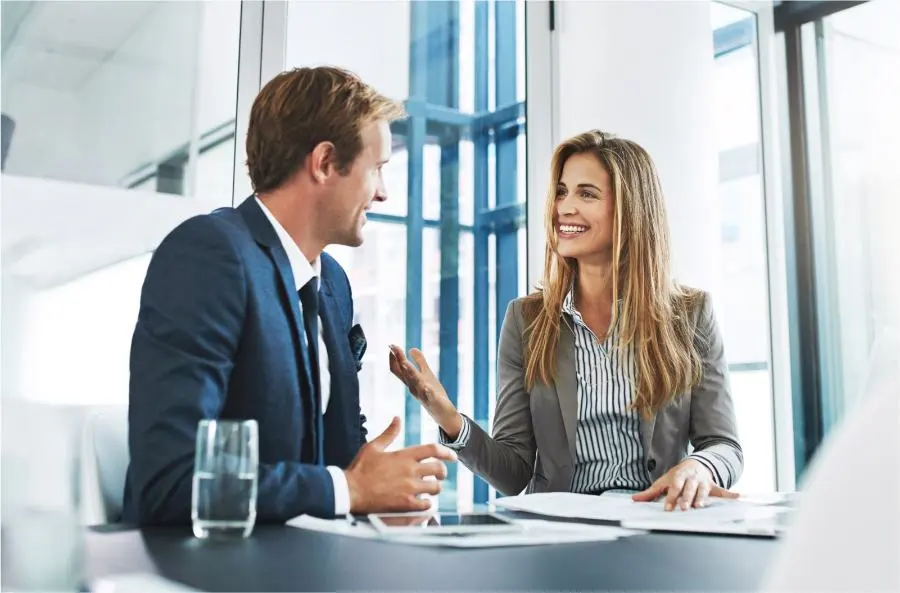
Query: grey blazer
[[533, 443]]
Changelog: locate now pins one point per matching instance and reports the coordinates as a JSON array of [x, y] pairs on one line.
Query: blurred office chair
[[845, 535], [104, 462]]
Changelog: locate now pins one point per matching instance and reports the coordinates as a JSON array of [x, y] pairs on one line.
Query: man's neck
[[297, 218]]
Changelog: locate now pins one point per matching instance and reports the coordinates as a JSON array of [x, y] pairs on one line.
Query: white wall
[[644, 70], [371, 38]]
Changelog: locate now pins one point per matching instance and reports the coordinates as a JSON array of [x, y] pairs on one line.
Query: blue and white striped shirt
[[608, 450]]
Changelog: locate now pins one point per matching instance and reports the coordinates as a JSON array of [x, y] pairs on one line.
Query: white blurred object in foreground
[[846, 533]]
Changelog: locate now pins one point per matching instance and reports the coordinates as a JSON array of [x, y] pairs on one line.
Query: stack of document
[[762, 516], [535, 532]]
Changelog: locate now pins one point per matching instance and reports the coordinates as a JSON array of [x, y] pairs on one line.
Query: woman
[[607, 373]]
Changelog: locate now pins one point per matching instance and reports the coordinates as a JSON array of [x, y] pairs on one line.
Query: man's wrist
[[352, 490]]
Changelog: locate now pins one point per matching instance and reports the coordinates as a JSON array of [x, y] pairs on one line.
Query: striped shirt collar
[[568, 307]]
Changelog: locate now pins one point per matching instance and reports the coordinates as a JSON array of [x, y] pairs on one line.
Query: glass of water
[[226, 466]]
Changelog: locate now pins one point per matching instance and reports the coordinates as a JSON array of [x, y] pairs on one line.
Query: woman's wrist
[[453, 425]]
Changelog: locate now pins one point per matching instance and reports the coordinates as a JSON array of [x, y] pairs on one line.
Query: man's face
[[350, 196]]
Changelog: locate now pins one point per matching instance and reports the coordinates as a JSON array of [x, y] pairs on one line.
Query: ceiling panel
[[47, 69], [99, 25], [59, 45]]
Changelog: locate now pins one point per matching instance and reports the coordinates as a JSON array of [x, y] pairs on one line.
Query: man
[[227, 324]]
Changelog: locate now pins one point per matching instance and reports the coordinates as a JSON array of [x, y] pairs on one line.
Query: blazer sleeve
[[187, 334], [713, 428], [506, 460]]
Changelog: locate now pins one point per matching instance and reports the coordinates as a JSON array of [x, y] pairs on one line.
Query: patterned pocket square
[[358, 344]]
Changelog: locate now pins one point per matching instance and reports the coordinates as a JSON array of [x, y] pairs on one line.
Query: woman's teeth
[[571, 229]]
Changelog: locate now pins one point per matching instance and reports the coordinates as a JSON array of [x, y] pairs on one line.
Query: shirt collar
[[302, 270], [568, 305]]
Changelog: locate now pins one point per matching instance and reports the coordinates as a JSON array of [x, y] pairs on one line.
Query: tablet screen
[[442, 520]]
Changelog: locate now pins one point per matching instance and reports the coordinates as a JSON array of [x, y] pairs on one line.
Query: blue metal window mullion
[[415, 145], [444, 90], [507, 252], [481, 300]]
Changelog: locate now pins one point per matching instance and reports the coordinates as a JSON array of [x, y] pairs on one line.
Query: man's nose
[[380, 191]]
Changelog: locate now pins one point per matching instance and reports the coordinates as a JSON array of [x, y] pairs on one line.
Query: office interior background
[[774, 127]]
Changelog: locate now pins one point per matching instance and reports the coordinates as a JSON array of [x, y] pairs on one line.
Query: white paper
[[764, 522], [536, 532], [615, 507]]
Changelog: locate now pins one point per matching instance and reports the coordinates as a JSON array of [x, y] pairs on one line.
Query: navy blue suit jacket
[[220, 335]]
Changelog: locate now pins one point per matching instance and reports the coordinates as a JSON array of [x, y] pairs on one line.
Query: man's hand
[[686, 485], [382, 482]]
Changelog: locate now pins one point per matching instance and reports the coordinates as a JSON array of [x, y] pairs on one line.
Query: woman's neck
[[594, 286]]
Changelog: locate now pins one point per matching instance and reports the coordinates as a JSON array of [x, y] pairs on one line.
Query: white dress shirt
[[303, 271]]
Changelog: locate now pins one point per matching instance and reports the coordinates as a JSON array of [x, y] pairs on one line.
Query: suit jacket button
[[651, 465]]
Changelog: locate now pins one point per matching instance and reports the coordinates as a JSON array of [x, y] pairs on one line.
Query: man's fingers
[[414, 503], [428, 487], [722, 493], [432, 468], [702, 495], [383, 441], [650, 494], [420, 452]]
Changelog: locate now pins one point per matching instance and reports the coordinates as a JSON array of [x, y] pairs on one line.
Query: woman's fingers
[[688, 493], [702, 495]]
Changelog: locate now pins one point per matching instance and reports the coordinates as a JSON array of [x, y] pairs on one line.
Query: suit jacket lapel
[[567, 383], [265, 235], [328, 313]]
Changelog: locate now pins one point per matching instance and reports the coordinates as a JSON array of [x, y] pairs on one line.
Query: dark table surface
[[281, 558]]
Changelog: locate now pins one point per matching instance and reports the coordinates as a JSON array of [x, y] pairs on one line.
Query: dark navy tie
[[309, 299]]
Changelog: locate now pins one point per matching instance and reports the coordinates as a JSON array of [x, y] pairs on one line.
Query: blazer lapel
[[647, 427], [567, 383]]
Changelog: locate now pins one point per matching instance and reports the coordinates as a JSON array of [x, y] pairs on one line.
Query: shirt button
[[651, 465]]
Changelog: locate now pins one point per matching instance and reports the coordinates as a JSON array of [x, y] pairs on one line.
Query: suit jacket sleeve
[[188, 331], [713, 429], [506, 460]]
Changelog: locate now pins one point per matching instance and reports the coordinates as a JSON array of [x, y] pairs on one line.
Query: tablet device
[[431, 523]]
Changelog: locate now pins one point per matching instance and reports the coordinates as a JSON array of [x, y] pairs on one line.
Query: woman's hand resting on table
[[426, 388], [687, 485]]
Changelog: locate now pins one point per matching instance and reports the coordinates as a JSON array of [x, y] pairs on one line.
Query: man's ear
[[321, 161]]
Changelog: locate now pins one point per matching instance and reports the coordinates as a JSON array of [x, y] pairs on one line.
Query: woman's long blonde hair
[[655, 314]]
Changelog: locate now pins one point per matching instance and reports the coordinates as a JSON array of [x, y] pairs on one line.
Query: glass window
[[742, 304], [453, 194], [855, 57], [118, 123]]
